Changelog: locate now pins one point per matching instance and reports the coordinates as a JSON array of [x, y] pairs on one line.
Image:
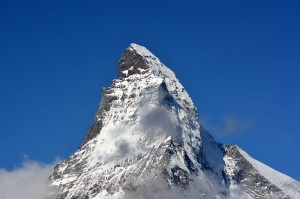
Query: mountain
[[146, 142]]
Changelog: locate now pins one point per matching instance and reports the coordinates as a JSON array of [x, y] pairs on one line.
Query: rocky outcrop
[[132, 62]]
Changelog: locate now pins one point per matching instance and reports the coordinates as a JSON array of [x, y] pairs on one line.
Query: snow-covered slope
[[290, 186], [257, 179], [146, 142]]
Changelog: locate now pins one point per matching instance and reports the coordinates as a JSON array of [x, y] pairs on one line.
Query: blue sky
[[239, 61]]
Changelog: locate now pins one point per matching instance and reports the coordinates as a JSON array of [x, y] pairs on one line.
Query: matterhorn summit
[[146, 143]]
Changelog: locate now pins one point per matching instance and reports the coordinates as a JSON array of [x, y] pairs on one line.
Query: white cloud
[[234, 124], [27, 182], [158, 188], [228, 125], [158, 120]]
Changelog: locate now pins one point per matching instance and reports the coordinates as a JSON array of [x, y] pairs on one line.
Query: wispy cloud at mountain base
[[27, 182]]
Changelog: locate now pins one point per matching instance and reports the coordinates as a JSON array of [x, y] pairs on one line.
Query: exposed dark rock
[[131, 63]]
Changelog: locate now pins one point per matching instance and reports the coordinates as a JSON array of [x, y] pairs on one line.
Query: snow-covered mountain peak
[[138, 60], [139, 73], [146, 143]]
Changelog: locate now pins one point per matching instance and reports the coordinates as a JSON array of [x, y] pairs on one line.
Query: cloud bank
[[158, 188], [27, 182]]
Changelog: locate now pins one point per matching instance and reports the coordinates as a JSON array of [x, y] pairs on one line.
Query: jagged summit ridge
[[146, 143]]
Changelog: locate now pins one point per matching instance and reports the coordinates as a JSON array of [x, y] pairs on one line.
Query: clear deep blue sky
[[239, 61]]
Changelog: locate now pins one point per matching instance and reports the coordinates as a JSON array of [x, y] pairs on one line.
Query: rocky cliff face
[[146, 142]]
